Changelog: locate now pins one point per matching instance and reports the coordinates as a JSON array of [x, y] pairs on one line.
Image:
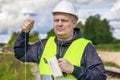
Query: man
[[76, 56]]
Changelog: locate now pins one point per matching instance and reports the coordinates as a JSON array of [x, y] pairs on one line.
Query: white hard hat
[[65, 6]]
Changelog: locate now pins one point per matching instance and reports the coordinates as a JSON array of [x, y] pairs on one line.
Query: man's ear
[[74, 24]]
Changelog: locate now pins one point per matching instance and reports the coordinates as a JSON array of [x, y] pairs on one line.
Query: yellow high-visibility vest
[[73, 55]]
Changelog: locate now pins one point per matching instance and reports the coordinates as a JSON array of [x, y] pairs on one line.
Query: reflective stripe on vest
[[48, 77], [73, 55]]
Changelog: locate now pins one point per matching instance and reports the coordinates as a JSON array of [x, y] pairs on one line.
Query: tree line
[[33, 37], [97, 30]]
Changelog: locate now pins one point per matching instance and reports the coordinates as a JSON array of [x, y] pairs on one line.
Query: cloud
[[115, 24], [109, 9], [42, 36], [116, 33], [4, 38], [113, 16], [114, 12], [12, 13]]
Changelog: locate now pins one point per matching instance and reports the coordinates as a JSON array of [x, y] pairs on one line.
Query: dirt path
[[35, 70], [110, 57]]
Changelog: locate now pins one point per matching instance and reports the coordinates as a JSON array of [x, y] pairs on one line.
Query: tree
[[80, 26], [33, 37], [51, 33], [97, 30], [12, 39]]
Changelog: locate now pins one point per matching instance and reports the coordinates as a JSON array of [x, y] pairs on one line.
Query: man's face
[[63, 25]]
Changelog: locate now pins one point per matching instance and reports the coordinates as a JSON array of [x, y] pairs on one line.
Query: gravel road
[[110, 57]]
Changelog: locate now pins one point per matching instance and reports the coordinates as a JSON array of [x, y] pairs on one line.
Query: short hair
[[73, 18]]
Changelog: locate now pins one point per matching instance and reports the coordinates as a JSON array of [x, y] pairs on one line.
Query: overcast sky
[[14, 12]]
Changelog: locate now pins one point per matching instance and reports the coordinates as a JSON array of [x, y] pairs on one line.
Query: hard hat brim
[[76, 17]]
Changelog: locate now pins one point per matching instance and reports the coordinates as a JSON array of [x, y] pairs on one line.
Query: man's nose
[[60, 22]]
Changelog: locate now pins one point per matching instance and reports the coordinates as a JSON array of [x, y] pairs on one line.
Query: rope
[[25, 57]]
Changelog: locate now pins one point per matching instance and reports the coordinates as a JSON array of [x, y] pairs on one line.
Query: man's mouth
[[60, 29]]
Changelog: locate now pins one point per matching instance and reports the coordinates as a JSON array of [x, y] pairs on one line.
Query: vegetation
[[111, 64], [95, 29], [50, 33], [13, 69], [113, 46], [12, 39], [99, 31], [2, 44], [34, 37], [81, 27], [108, 47]]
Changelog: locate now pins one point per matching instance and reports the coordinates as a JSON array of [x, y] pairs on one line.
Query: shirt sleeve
[[92, 67], [25, 52]]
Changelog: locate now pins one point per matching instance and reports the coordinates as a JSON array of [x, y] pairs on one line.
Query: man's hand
[[27, 25], [65, 66]]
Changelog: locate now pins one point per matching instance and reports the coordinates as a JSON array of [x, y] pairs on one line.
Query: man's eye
[[56, 20], [64, 20]]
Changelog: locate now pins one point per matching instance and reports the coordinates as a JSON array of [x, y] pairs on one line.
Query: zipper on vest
[[60, 49]]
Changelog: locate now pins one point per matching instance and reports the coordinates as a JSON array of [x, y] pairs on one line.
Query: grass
[[108, 47], [12, 69], [111, 64]]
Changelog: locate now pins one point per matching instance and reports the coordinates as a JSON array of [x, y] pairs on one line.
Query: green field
[[108, 47], [111, 64], [12, 69]]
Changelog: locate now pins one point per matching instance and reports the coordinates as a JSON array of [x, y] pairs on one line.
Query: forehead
[[59, 14]]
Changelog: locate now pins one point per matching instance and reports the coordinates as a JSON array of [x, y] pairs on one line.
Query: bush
[[12, 69]]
